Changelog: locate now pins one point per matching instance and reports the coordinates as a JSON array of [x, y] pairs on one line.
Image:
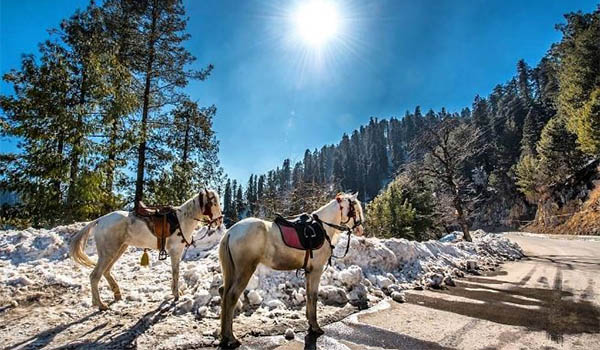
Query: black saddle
[[302, 232]]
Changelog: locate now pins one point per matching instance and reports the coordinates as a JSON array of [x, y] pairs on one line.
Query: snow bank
[[372, 269]]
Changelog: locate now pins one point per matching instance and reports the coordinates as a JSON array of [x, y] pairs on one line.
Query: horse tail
[[77, 245], [227, 264]]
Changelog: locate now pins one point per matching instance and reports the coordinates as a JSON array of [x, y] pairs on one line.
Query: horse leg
[[313, 278], [109, 277], [231, 294], [95, 278], [175, 254]]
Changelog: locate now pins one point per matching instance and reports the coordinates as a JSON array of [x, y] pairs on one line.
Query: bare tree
[[449, 146]]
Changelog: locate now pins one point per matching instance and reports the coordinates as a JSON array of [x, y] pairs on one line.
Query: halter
[[342, 226], [205, 212], [206, 209], [352, 214]]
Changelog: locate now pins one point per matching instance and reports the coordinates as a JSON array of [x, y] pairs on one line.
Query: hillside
[[574, 206], [539, 128]]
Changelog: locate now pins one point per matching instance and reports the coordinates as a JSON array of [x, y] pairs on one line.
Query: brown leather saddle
[[162, 221]]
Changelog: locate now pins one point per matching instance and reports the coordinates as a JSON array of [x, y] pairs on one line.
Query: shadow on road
[[110, 339], [374, 336], [552, 310], [44, 338]]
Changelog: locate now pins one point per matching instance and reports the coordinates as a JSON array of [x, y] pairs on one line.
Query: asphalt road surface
[[549, 300]]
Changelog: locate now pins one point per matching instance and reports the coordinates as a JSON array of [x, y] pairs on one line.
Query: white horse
[[253, 241], [115, 231]]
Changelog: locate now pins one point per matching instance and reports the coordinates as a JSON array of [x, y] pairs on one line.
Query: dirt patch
[[54, 318]]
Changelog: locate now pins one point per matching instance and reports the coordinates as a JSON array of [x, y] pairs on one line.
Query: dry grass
[[573, 218], [586, 221]]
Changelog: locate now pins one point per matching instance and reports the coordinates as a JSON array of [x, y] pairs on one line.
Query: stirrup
[[162, 255]]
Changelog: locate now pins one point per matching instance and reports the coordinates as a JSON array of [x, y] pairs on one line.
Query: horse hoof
[[316, 331], [229, 343], [118, 297], [102, 307]]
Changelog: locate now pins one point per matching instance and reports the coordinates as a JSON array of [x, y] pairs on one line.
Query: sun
[[317, 22]]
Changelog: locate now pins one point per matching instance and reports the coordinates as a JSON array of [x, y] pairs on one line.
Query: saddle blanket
[[302, 233]]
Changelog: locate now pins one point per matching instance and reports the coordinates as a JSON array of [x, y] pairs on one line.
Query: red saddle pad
[[290, 237]]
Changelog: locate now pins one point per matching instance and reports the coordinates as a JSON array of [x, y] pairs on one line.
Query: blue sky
[[274, 99]]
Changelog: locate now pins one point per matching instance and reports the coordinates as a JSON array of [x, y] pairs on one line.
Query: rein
[[342, 227], [208, 232], [206, 211]]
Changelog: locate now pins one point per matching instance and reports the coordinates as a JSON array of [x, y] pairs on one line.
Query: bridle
[[352, 214], [205, 212], [342, 226], [206, 209]]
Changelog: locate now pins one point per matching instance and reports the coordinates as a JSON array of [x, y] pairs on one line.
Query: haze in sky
[[290, 76]]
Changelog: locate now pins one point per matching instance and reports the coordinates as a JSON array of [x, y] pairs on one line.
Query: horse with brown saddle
[[162, 221]]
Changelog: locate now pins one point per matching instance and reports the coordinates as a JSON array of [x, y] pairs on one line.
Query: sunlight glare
[[317, 22]]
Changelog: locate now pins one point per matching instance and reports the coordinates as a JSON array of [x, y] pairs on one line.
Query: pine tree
[[234, 214], [558, 153], [83, 35], [251, 197], [40, 117], [297, 175], [402, 210], [121, 99], [579, 69], [260, 187], [523, 77], [228, 211], [532, 128], [529, 178], [74, 81], [588, 125], [285, 179], [240, 206], [161, 61], [193, 147]]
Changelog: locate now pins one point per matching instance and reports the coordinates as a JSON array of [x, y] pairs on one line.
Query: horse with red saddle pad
[[284, 245]]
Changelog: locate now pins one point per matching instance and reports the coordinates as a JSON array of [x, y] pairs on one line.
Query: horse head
[[211, 207], [351, 212]]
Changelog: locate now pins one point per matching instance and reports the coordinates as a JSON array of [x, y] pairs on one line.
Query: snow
[[452, 237], [254, 298], [372, 270]]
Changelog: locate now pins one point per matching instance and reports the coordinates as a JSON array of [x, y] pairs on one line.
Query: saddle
[[304, 233], [162, 221]]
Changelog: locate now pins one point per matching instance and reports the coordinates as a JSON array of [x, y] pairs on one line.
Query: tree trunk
[[139, 183], [112, 155], [184, 159], [76, 153], [462, 221], [56, 183]]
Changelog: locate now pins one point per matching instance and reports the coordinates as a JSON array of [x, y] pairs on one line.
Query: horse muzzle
[[358, 230], [216, 222]]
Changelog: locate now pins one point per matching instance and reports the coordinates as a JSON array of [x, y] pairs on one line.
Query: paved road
[[550, 300]]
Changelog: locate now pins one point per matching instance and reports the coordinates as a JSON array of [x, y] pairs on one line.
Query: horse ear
[[201, 199], [355, 196], [338, 197]]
